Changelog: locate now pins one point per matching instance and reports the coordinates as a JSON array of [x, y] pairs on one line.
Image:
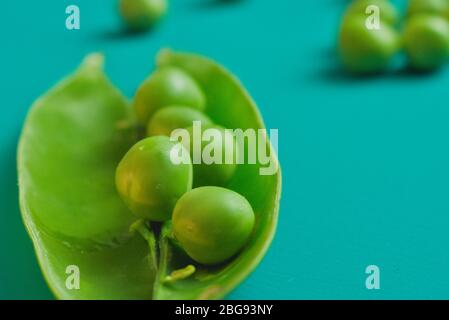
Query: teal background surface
[[365, 161]]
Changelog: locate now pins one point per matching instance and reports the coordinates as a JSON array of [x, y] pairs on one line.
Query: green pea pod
[[72, 140], [71, 143], [229, 105]]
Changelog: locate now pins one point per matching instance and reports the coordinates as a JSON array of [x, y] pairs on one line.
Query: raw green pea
[[212, 223], [149, 182], [166, 87], [437, 7], [168, 119], [426, 41], [388, 12], [205, 145], [142, 14], [364, 50]]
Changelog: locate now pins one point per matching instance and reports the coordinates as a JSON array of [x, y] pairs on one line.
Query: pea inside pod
[[214, 154], [100, 233], [148, 180]]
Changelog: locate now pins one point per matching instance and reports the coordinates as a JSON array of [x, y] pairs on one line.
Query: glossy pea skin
[[437, 7], [149, 182], [167, 87], [142, 14], [212, 174], [363, 50], [212, 224], [388, 12], [426, 41], [168, 119]]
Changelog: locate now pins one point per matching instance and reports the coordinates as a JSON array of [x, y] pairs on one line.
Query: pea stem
[[141, 227], [180, 274]]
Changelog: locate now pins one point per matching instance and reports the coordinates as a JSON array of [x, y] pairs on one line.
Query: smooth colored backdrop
[[365, 161]]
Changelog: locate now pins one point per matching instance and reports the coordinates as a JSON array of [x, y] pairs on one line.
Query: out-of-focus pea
[[426, 41]]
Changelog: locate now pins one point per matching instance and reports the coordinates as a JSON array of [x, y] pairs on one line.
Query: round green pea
[[364, 50], [167, 87], [212, 224], [142, 14], [437, 7], [388, 12], [209, 168], [426, 41], [149, 182], [168, 119]]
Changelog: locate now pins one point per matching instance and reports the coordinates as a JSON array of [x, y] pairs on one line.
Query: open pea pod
[[71, 142], [229, 105]]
